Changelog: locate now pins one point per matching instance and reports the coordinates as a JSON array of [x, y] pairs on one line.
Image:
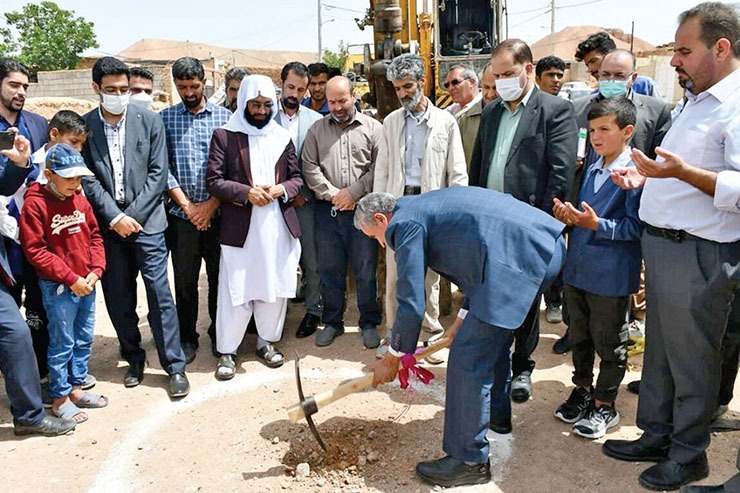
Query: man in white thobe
[[253, 170]]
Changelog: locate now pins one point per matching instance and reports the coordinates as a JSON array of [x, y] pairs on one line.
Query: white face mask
[[509, 88], [114, 104], [141, 100]]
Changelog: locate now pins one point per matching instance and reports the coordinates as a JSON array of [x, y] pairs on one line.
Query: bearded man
[[253, 170], [338, 158], [297, 119], [420, 150]]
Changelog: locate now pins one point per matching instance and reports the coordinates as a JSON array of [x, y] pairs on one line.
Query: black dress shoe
[[521, 387], [634, 387], [179, 385], [134, 374], [190, 351], [732, 485], [636, 450], [562, 345], [50, 426], [500, 426], [695, 488], [670, 475], [449, 472], [308, 326]]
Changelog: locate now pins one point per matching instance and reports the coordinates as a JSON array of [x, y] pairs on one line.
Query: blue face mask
[[613, 88]]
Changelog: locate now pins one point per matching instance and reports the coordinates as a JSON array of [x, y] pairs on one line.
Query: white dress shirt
[[707, 135]]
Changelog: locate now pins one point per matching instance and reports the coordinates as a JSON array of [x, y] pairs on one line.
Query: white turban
[[253, 86]]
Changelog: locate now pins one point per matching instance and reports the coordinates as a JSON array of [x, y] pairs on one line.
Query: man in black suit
[[526, 146], [128, 155]]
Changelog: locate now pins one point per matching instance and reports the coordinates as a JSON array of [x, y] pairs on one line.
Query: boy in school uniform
[[602, 269], [61, 240]]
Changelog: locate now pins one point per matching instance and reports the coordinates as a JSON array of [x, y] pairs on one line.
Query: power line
[[329, 7], [532, 18], [530, 11], [578, 4]]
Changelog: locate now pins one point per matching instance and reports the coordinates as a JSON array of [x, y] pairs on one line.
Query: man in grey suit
[[526, 146], [128, 156], [501, 253], [297, 119]]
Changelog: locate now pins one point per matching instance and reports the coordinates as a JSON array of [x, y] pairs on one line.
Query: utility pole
[[319, 2], [552, 25], [499, 34]]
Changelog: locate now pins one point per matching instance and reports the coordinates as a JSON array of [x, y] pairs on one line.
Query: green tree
[[50, 38], [7, 45], [336, 59]]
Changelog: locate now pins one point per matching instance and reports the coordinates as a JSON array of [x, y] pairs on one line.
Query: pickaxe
[[309, 406]]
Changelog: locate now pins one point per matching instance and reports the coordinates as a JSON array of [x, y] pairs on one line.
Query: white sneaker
[[596, 422], [637, 329]]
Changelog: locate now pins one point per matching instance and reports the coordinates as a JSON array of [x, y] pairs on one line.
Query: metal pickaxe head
[[308, 405]]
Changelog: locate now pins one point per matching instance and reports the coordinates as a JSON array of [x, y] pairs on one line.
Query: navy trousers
[[18, 363], [126, 258], [479, 351]]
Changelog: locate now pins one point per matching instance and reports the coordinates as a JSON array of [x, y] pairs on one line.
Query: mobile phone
[[6, 140]]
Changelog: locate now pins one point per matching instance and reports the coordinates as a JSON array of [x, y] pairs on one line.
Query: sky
[[292, 25]]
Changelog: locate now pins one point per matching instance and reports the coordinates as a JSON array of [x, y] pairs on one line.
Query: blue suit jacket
[[37, 128], [145, 174], [494, 247], [11, 177], [38, 132]]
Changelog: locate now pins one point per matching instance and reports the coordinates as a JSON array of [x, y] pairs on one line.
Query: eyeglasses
[[617, 76], [255, 105], [454, 82]]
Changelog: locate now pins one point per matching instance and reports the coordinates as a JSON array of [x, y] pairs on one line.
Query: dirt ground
[[236, 436]]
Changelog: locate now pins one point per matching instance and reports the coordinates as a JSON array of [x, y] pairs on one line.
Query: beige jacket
[[443, 164]]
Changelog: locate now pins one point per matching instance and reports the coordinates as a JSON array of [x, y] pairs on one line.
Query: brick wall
[[63, 83]]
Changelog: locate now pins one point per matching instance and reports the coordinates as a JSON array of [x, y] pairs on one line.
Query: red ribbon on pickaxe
[[410, 367]]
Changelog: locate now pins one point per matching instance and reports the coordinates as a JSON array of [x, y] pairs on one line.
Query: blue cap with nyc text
[[66, 162]]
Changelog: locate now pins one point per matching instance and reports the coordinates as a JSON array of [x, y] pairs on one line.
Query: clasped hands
[[200, 213], [261, 195], [84, 286]]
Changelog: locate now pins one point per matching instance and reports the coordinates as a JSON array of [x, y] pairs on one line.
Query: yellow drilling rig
[[442, 32]]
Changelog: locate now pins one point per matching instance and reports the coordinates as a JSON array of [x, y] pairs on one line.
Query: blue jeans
[[339, 243], [71, 325], [478, 351]]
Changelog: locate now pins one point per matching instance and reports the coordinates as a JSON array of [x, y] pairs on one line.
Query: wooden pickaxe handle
[[295, 412]]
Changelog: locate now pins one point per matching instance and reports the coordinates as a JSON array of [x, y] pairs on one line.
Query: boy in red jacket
[[60, 238]]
